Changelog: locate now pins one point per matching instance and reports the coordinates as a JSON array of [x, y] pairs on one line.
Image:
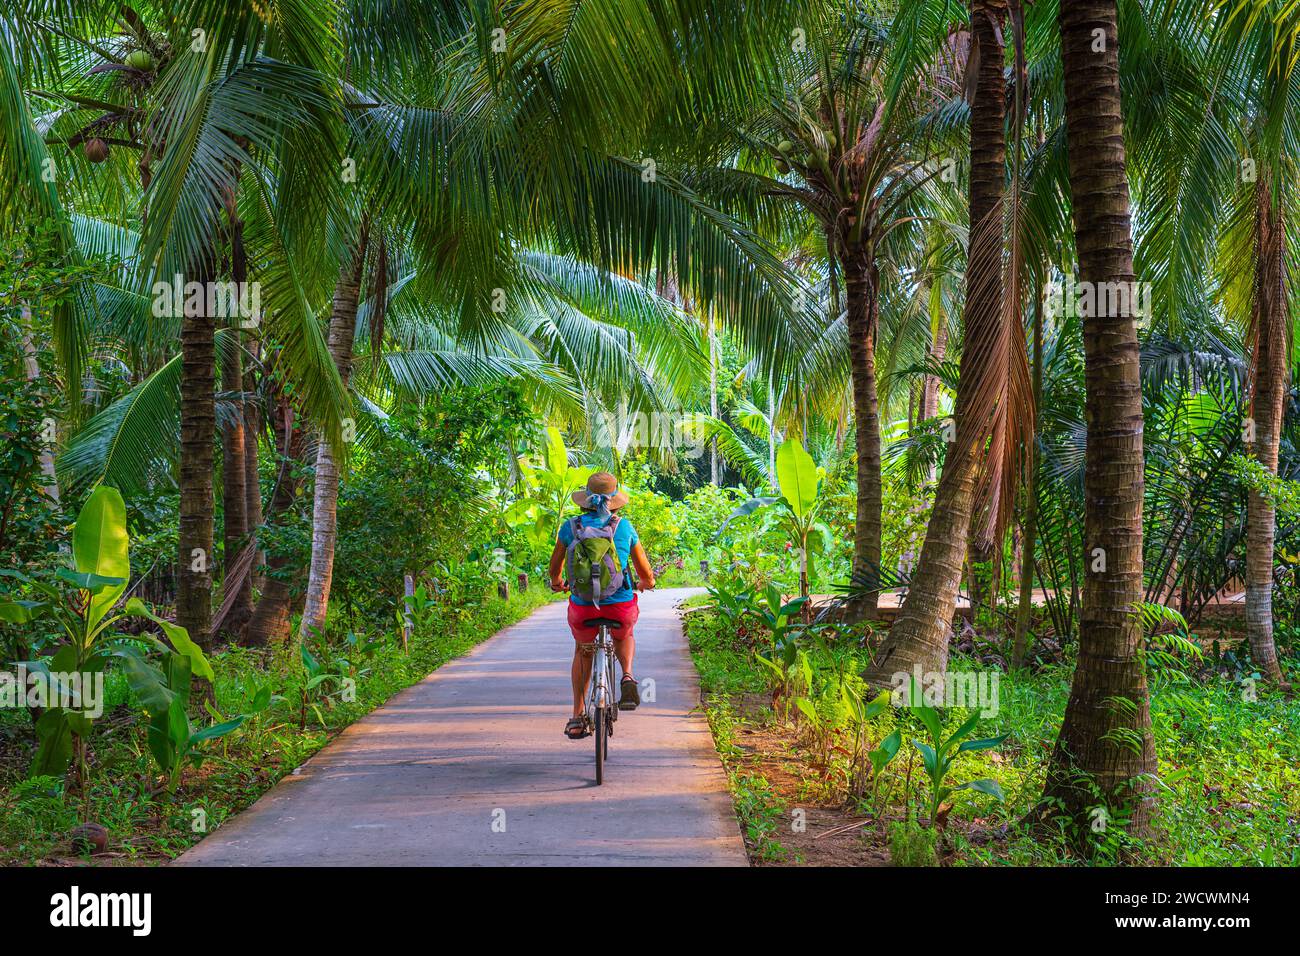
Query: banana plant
[[796, 508], [317, 674], [731, 599], [776, 613], [547, 483], [98, 577], [164, 692], [792, 682], [861, 712], [939, 754], [880, 758], [101, 568], [786, 662]]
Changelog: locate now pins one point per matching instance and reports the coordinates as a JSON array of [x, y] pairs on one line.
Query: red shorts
[[625, 612]]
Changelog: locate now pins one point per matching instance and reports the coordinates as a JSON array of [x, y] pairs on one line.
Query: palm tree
[[324, 525], [991, 397], [577, 196], [842, 134], [204, 122], [1105, 745], [1257, 54]]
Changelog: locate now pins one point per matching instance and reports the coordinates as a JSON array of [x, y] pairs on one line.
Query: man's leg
[[580, 672], [625, 650]]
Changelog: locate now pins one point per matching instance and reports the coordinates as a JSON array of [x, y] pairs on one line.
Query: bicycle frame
[[600, 685]]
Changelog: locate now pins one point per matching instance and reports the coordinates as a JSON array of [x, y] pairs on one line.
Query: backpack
[[591, 560]]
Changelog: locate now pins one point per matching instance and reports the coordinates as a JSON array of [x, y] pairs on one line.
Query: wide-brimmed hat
[[601, 483]]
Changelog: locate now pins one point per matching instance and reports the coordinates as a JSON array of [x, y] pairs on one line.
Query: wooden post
[[523, 581], [704, 567], [503, 590]]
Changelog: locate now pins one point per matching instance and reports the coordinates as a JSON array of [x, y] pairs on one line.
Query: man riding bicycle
[[600, 532]]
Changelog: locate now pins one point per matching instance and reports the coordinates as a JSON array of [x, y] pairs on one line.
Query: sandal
[[576, 728], [630, 698]]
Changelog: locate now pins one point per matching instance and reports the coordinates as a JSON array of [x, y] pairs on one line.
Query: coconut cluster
[[814, 145], [136, 70]]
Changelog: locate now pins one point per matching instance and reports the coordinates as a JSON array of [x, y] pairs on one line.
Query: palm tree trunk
[[252, 477], [1269, 379], [234, 494], [324, 524], [32, 372], [270, 620], [930, 384], [771, 433], [198, 432], [1105, 752], [919, 638], [714, 475], [862, 315], [1020, 646]]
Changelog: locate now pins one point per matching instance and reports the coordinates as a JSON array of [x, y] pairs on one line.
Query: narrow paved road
[[471, 767]]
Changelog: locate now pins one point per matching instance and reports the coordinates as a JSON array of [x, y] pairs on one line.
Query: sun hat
[[602, 494]]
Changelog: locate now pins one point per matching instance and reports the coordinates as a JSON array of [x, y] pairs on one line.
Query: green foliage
[[793, 516], [776, 613], [760, 816], [548, 482], [939, 755], [164, 692], [34, 280], [656, 517], [424, 501], [264, 687], [29, 524], [911, 844], [731, 599], [99, 576]]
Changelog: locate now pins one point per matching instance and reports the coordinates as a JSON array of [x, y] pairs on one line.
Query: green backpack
[[591, 560]]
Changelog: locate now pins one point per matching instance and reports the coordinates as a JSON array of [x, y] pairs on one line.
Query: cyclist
[[599, 501]]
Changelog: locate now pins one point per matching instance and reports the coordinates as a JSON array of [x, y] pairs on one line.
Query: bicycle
[[602, 701]]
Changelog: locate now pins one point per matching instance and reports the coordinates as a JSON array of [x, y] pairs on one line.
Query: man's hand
[[645, 584], [557, 584]]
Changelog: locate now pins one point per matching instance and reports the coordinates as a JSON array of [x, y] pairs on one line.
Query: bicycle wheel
[[599, 734]]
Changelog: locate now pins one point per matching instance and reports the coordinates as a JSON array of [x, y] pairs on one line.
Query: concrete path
[[471, 767]]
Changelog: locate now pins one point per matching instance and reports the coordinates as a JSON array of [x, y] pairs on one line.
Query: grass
[[1229, 765], [147, 825]]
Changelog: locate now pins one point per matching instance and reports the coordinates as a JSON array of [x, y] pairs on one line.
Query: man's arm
[[557, 566], [644, 573]]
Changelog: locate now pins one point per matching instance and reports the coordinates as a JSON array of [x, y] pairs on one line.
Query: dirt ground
[[828, 831]]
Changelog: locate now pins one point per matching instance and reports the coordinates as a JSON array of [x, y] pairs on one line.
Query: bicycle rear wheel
[[599, 733]]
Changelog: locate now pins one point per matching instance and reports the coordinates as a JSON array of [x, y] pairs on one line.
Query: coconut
[[830, 139], [784, 147], [96, 150], [89, 838], [782, 166], [141, 60]]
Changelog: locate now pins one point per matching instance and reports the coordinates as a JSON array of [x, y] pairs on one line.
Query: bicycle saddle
[[608, 622]]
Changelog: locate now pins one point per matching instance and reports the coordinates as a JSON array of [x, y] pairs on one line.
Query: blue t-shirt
[[624, 538]]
